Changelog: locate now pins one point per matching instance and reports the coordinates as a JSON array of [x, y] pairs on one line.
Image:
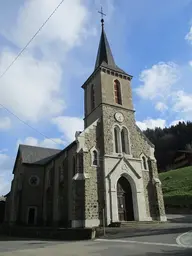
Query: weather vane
[[102, 15]]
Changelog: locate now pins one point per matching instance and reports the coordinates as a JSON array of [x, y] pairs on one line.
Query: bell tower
[[122, 152], [107, 85]]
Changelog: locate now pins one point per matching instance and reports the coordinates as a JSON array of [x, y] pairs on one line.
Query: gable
[[124, 165], [37, 155], [18, 161]]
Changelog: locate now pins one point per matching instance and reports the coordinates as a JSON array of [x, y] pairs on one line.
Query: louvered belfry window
[[117, 92]]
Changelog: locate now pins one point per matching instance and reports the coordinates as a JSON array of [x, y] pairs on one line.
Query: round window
[[34, 181]]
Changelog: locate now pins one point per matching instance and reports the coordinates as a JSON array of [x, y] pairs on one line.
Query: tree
[[168, 141]]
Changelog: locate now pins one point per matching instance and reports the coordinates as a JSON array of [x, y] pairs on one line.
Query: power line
[[25, 47], [16, 58], [27, 123]]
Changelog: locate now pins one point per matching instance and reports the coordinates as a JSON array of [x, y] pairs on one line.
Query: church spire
[[104, 53]]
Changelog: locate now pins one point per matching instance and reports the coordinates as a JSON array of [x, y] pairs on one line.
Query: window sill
[[144, 170], [80, 176], [95, 166]]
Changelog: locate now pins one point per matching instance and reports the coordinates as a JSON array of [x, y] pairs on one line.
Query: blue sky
[[151, 40]]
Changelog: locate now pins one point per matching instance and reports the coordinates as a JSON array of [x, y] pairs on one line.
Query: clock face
[[119, 117]]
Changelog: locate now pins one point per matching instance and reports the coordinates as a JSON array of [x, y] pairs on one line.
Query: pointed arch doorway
[[124, 200]]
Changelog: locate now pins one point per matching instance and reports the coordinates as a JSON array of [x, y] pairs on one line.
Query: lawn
[[177, 187]]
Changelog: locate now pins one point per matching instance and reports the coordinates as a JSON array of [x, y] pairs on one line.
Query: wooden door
[[124, 200], [31, 216], [121, 207], [121, 203]]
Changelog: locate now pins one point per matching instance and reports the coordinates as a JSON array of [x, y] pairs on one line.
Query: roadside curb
[[185, 239]]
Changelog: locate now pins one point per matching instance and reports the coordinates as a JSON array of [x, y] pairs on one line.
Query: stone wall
[[32, 195], [48, 194], [139, 144], [23, 195], [13, 210], [71, 153], [95, 80], [158, 190], [137, 140], [107, 88], [153, 192], [150, 195], [91, 183], [61, 189]]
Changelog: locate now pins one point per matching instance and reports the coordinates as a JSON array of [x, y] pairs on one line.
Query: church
[[108, 174]]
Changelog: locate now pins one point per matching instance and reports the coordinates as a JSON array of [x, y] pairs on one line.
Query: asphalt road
[[122, 247], [166, 239]]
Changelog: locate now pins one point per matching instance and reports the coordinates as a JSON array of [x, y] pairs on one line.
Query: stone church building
[[108, 172]]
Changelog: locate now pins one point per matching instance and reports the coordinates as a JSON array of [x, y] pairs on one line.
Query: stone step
[[133, 223], [130, 223]]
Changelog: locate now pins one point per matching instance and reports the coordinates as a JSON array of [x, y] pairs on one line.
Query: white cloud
[[190, 63], [161, 85], [175, 122], [156, 81], [188, 37], [183, 104], [151, 123], [66, 26], [6, 166], [161, 106], [32, 87], [5, 162], [47, 143], [68, 126], [5, 123]]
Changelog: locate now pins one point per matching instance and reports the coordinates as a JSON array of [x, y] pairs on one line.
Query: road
[[167, 239], [123, 247]]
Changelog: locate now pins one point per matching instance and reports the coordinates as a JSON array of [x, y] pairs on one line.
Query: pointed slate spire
[[104, 54]]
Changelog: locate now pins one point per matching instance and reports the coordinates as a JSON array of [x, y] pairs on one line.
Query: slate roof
[[104, 53], [105, 56], [114, 68], [37, 155]]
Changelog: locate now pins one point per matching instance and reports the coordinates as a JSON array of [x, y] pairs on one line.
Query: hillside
[[168, 141], [177, 187]]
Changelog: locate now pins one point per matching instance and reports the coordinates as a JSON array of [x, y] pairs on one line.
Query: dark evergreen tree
[[168, 141]]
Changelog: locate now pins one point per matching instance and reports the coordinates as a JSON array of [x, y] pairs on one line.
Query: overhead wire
[[27, 123], [17, 57], [33, 37]]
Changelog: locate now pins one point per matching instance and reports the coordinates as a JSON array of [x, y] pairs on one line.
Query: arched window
[[74, 165], [117, 139], [125, 141], [117, 92], [61, 174], [92, 97], [95, 158], [144, 163]]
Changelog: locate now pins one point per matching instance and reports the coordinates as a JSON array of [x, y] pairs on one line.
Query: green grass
[[177, 186]]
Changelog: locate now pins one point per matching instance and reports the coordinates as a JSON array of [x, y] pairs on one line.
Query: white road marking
[[178, 240], [139, 242]]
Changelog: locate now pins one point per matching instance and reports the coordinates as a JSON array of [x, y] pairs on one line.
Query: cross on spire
[[102, 16]]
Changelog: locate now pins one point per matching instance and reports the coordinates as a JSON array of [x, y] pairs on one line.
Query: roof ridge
[[39, 147]]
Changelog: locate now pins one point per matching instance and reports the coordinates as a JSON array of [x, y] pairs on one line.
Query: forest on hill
[[168, 141]]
